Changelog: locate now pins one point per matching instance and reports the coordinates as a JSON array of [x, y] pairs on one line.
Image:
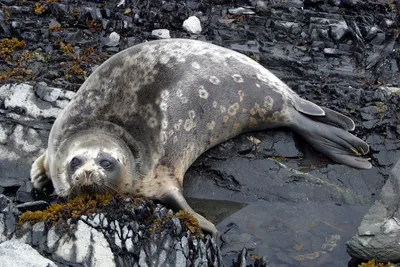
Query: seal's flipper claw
[[176, 199], [336, 119], [336, 143], [307, 107], [39, 177]]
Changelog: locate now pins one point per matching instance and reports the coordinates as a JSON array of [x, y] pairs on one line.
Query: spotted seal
[[142, 118]]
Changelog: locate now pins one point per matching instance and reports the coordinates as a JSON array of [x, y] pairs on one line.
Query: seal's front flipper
[[336, 143], [39, 172], [175, 198]]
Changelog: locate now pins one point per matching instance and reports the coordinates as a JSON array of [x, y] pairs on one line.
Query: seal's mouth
[[92, 189]]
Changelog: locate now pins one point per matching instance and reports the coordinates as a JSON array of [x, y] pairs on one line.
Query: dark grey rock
[[379, 39], [261, 6], [333, 52], [24, 193], [33, 206], [379, 232], [39, 235], [8, 218], [372, 33], [338, 30], [58, 10]]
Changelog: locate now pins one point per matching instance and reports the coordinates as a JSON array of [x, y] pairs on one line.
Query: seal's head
[[91, 162]]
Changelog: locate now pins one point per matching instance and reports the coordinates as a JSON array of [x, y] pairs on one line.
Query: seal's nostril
[[88, 172]]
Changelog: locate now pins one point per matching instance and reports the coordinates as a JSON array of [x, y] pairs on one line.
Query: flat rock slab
[[26, 115], [292, 234], [14, 253]]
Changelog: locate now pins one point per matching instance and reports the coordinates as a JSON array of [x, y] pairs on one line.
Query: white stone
[[52, 239], [28, 141], [22, 96], [13, 253], [88, 242], [129, 245], [95, 222], [161, 33], [113, 39], [192, 25], [391, 226]]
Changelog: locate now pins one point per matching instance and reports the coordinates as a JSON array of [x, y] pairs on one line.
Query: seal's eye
[[106, 164], [75, 162]]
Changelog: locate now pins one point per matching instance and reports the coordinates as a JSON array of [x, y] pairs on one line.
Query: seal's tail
[[328, 134]]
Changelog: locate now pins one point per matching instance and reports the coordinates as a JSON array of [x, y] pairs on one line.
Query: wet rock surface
[[339, 54], [379, 233]]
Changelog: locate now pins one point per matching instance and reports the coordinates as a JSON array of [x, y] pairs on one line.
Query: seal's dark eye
[[75, 162], [106, 164]]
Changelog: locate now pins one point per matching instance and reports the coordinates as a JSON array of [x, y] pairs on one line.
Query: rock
[[96, 242], [161, 33], [8, 218], [338, 30], [113, 39], [24, 193], [241, 11], [372, 33], [261, 6], [13, 253], [379, 232], [333, 52], [89, 248], [33, 206], [192, 25], [121, 3], [58, 10]]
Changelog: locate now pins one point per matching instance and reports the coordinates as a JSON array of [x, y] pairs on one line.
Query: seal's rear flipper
[[336, 119], [307, 107], [333, 142], [175, 198], [323, 114]]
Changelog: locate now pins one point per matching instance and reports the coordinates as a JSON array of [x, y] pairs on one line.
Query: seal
[[143, 117]]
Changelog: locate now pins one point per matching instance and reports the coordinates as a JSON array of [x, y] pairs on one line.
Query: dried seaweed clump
[[191, 223], [187, 220], [81, 205], [39, 9], [372, 263], [8, 46]]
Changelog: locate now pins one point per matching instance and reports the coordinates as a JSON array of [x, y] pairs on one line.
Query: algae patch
[[373, 263], [81, 205]]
